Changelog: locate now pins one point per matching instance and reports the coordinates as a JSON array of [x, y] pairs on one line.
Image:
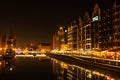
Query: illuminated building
[[45, 47], [96, 28], [80, 39], [11, 41], [107, 27], [55, 42], [73, 35], [60, 39], [100, 31], [86, 32], [70, 37], [116, 24]]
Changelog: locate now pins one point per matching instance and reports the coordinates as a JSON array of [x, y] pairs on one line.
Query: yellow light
[[11, 69], [14, 49], [61, 28], [0, 48], [63, 65]]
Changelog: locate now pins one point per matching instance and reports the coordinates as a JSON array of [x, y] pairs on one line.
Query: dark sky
[[37, 21]]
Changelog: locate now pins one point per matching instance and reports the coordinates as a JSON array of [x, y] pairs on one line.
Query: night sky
[[37, 21]]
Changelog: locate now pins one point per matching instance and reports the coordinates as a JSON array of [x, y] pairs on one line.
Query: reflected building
[[59, 69], [6, 66], [66, 71]]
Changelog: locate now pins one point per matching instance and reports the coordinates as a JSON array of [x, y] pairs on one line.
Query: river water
[[37, 68]]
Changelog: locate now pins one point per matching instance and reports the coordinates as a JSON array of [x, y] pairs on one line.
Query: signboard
[[95, 18]]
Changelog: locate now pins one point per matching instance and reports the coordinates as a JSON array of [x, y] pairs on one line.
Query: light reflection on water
[[26, 68], [48, 67], [66, 71]]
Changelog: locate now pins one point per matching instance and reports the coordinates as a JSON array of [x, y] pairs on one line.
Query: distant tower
[[11, 38], [11, 41]]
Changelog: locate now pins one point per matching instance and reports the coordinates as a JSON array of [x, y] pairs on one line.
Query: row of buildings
[[7, 42], [100, 30]]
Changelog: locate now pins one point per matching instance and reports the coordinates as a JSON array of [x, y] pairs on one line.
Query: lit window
[[65, 30], [61, 28]]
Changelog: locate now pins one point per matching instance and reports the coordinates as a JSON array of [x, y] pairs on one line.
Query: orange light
[[108, 78]]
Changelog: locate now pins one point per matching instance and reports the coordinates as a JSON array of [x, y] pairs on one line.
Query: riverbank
[[84, 63]]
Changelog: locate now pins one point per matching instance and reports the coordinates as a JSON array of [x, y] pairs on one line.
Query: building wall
[[73, 35], [80, 43], [86, 32], [7, 42], [70, 43], [96, 27], [11, 41], [116, 24], [101, 30], [54, 43], [60, 39], [107, 28], [45, 47]]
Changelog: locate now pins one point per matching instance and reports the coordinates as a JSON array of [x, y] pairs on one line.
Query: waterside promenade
[[109, 65]]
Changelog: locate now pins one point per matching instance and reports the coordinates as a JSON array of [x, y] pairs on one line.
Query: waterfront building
[[60, 39], [96, 28], [116, 24], [73, 35], [86, 32], [45, 47]]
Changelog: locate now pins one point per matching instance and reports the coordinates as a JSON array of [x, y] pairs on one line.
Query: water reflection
[[26, 68], [65, 71], [10, 64], [38, 68], [6, 67]]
